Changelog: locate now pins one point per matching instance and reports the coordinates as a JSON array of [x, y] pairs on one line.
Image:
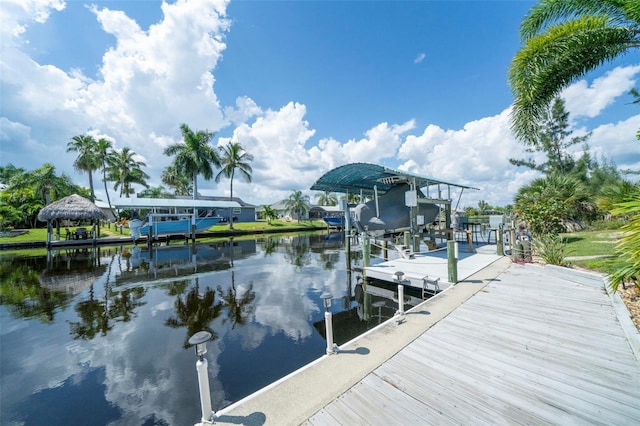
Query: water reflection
[[108, 329], [24, 295], [195, 312], [239, 302]]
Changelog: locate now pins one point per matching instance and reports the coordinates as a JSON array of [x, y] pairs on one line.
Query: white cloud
[[617, 141], [245, 109], [17, 15], [419, 58], [144, 91], [584, 100], [477, 155]]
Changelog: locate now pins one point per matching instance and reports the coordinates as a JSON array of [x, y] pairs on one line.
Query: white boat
[[334, 221], [176, 224]]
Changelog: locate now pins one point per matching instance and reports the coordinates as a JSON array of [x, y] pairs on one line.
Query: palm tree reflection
[[298, 251], [93, 318], [96, 315], [195, 312], [240, 307], [24, 295]]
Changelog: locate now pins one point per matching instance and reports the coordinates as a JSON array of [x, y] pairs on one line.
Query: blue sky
[[305, 86]]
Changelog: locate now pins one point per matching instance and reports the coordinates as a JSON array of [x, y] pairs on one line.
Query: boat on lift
[[336, 222], [172, 224], [388, 213]]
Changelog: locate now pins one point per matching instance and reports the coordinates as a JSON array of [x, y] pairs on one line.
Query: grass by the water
[[596, 247], [40, 234], [578, 244]]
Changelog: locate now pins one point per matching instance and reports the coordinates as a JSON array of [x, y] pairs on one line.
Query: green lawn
[[40, 234], [592, 243]]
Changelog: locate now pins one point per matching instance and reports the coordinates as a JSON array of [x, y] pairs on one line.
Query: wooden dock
[[537, 346], [432, 266], [511, 344]]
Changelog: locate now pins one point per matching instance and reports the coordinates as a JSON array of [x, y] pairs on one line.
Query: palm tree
[[87, 159], [326, 198], [547, 203], [155, 192], [627, 266], [297, 204], [124, 170], [269, 213], [234, 157], [46, 183], [104, 151], [194, 155], [175, 180], [563, 40], [353, 198]]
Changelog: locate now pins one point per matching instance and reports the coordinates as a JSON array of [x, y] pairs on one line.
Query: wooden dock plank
[[533, 347]]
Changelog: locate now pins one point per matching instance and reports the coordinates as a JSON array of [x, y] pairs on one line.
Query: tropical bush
[[551, 248]]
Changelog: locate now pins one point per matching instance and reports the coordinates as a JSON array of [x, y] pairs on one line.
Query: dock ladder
[[430, 286]]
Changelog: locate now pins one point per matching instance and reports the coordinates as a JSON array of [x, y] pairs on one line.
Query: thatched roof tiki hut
[[73, 207]]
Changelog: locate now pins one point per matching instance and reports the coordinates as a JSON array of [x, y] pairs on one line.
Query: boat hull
[[392, 215], [171, 227], [334, 222]]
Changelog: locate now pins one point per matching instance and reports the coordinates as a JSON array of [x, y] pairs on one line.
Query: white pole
[[205, 395], [328, 321], [375, 192], [400, 299]]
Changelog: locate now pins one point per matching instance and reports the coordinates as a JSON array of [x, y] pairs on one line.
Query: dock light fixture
[[399, 278], [326, 300], [200, 340], [328, 321]]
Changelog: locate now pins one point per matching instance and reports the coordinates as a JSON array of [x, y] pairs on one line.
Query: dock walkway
[[512, 344]]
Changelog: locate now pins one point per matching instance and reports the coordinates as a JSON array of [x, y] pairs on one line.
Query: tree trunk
[[195, 185], [93, 194]]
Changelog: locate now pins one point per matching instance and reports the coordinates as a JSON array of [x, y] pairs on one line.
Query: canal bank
[[511, 343], [126, 239]]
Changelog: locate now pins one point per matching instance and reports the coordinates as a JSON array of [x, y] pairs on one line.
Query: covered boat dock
[[372, 180]]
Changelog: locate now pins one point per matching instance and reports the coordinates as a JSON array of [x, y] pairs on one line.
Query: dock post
[[452, 258], [407, 239], [199, 340], [499, 241], [347, 251], [385, 250], [328, 322], [366, 254], [399, 277]]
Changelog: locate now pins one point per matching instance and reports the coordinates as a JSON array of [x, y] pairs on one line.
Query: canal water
[[100, 336]]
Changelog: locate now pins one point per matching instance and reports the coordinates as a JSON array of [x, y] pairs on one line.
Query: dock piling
[[452, 261]]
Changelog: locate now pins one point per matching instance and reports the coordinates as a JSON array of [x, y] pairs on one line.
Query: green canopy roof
[[362, 177]]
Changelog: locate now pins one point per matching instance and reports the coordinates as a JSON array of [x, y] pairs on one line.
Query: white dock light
[[328, 321], [200, 340], [326, 300], [399, 278]]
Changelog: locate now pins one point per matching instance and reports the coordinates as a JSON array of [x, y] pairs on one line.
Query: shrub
[[551, 248]]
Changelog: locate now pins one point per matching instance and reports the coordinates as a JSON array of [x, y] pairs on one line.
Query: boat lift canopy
[[365, 178], [171, 203]]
